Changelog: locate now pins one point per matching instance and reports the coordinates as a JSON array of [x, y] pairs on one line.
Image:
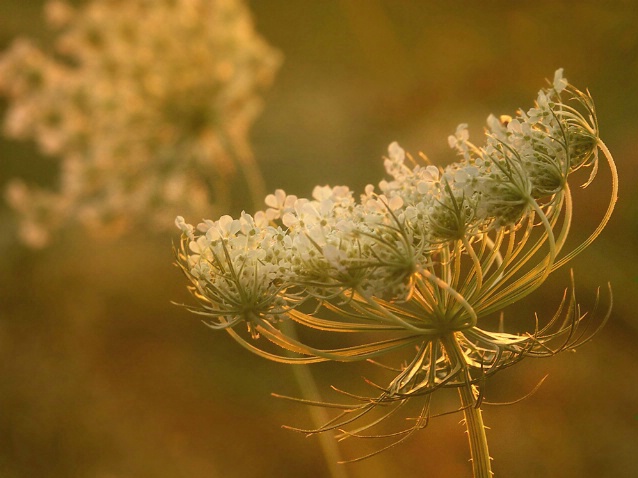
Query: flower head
[[423, 264], [147, 104]]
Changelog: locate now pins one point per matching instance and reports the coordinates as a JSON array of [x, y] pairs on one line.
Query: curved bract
[[417, 266]]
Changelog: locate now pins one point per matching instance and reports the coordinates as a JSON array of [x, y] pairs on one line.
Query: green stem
[[243, 155], [319, 417], [481, 465]]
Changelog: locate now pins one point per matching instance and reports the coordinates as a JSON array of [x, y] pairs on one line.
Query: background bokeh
[[101, 376]]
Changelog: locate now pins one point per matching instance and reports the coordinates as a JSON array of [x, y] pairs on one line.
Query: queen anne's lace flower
[[421, 264], [146, 103]]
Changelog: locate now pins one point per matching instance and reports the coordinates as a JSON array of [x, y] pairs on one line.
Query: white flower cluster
[[146, 103], [331, 244], [414, 267]]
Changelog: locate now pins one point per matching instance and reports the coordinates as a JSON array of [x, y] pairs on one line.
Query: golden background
[[101, 376]]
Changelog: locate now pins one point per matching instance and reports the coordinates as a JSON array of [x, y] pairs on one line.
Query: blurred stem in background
[[308, 387]]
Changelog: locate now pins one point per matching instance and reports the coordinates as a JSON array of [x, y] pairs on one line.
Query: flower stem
[[243, 155], [481, 465], [319, 417]]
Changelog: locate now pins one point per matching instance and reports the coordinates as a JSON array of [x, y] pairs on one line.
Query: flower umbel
[[146, 104], [416, 268]]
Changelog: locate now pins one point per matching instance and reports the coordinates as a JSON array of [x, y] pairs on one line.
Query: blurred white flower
[[147, 105]]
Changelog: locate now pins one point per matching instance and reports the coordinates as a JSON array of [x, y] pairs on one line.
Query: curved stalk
[[610, 208]]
